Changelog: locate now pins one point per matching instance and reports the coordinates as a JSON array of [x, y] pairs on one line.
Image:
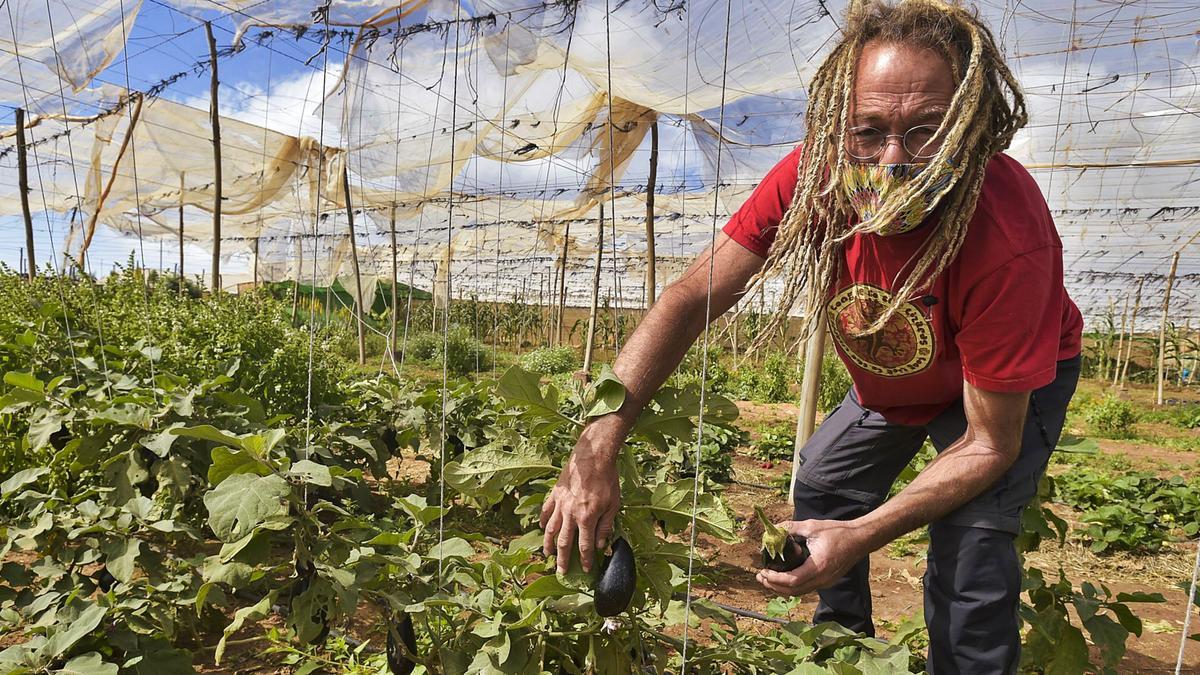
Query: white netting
[[1112, 92]]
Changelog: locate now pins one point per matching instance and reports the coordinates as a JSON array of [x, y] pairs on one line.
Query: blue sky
[[164, 41]]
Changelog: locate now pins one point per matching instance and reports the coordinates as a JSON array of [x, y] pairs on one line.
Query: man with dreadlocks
[[935, 262]]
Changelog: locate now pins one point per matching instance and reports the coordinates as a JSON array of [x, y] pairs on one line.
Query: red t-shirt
[[998, 316]]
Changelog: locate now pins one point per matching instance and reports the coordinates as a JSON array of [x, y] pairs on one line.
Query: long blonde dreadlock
[[979, 123]]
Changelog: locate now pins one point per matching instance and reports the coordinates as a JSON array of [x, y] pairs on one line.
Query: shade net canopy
[[476, 142]]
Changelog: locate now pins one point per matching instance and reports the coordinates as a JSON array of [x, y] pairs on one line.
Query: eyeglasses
[[921, 142]]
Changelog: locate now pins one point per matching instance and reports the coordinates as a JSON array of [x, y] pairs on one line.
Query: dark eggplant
[[781, 550], [401, 634], [795, 552], [306, 572], [389, 440], [104, 579], [617, 580]]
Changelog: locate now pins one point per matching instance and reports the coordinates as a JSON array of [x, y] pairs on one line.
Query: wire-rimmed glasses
[[866, 142]]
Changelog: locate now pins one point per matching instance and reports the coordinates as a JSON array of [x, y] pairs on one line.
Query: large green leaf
[[160, 443], [82, 625], [90, 663], [246, 501], [121, 558], [311, 473], [26, 381], [523, 387], [22, 478], [255, 611], [549, 586], [671, 503], [486, 473], [609, 394], [43, 423], [227, 462], [208, 432], [454, 547], [673, 413]]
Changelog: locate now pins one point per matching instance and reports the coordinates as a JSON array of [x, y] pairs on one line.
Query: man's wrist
[[601, 440]]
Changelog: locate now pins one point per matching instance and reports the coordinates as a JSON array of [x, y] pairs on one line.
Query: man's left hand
[[834, 547]]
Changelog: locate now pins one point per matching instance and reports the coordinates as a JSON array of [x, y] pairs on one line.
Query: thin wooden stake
[[358, 298], [181, 175], [299, 276], [1104, 360], [1137, 304], [651, 181], [392, 333], [1162, 329], [255, 275], [591, 330], [810, 389], [90, 230], [216, 140], [562, 282], [23, 185], [1121, 342]]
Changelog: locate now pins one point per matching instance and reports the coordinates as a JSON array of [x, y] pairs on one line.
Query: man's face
[[899, 87]]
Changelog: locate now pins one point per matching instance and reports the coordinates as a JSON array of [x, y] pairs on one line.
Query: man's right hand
[[584, 502]]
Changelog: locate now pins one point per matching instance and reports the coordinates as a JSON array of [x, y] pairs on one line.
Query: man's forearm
[[957, 475], [647, 360]]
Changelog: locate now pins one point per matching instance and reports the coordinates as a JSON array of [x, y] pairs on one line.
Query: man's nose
[[894, 152]]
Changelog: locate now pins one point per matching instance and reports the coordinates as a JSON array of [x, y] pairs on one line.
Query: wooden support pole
[[395, 275], [358, 297], [1105, 361], [651, 181], [1162, 328], [1121, 342], [299, 276], [181, 175], [255, 275], [1137, 304], [90, 229], [810, 388], [589, 345], [213, 103], [23, 185], [562, 282]]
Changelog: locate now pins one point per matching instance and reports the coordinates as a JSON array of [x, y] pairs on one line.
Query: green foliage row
[[463, 354], [774, 379], [1131, 511], [551, 360], [1109, 417]]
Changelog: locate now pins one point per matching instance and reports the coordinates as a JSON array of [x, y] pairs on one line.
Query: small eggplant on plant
[[306, 572], [401, 642], [104, 580], [617, 580], [781, 551]]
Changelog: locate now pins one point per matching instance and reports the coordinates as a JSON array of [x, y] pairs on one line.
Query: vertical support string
[[449, 264], [707, 331]]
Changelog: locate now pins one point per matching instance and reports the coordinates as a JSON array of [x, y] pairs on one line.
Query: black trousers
[[973, 577]]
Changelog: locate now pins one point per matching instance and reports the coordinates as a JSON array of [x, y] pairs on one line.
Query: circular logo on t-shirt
[[905, 345]]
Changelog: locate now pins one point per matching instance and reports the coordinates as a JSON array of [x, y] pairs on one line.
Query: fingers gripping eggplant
[[781, 551], [617, 580], [399, 638]]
